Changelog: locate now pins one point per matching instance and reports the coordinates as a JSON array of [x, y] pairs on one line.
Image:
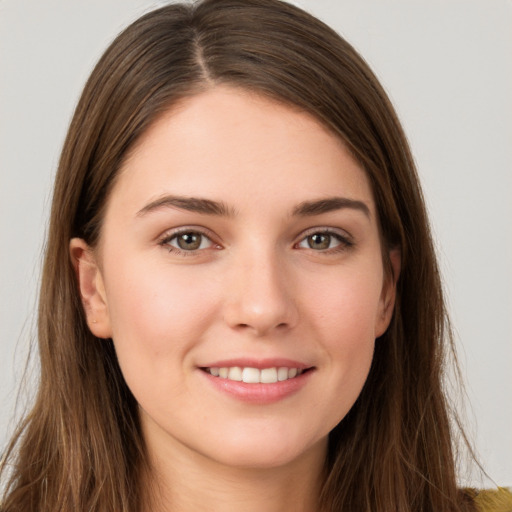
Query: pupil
[[319, 241], [189, 241]]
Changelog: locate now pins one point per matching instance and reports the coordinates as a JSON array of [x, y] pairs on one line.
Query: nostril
[[261, 329]]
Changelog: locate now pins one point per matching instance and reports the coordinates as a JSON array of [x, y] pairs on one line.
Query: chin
[[268, 452]]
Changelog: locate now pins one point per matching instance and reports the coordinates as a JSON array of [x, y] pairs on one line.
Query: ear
[[388, 295], [92, 289]]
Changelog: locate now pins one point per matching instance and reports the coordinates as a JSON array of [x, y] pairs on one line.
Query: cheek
[[344, 317], [346, 304], [156, 315]]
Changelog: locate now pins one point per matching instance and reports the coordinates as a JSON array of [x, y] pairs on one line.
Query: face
[[239, 274]]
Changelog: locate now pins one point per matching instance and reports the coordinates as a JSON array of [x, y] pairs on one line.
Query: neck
[[185, 481]]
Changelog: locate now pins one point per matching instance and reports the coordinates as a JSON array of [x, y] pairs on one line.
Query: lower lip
[[259, 393]]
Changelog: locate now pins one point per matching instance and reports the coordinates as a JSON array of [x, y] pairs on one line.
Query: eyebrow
[[210, 207], [191, 204], [310, 208]]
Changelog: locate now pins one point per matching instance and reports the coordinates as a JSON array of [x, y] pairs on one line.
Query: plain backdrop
[[447, 67]]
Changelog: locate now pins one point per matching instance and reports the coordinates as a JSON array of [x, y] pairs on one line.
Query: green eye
[[324, 241], [188, 241], [320, 241]]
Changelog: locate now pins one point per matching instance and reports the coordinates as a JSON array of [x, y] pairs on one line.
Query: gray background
[[447, 67]]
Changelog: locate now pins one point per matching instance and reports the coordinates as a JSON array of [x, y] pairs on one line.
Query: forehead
[[244, 149]]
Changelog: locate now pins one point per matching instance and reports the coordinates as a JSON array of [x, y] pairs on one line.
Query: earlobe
[[388, 296], [91, 287]]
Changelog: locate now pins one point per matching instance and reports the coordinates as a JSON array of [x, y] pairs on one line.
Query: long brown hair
[[81, 447]]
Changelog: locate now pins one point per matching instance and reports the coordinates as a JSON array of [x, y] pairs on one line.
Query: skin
[[256, 287]]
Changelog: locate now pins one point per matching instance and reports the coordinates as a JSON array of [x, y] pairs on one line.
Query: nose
[[259, 297]]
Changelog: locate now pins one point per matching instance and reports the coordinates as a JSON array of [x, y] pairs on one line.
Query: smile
[[255, 375]]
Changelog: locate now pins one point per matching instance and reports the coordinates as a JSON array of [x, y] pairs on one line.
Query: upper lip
[[257, 363]]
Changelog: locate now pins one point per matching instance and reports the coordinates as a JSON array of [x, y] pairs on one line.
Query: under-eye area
[[256, 375]]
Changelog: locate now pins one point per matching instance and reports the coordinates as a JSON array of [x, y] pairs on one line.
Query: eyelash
[[344, 241]]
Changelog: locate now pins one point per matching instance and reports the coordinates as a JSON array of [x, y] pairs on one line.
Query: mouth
[[250, 375]]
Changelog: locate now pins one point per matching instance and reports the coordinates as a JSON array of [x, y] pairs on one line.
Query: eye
[[187, 241], [324, 241]]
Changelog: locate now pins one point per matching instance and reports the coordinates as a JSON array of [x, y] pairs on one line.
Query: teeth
[[255, 375], [268, 376], [251, 375], [235, 373], [282, 374]]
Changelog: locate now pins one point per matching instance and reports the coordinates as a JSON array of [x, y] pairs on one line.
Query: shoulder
[[495, 500]]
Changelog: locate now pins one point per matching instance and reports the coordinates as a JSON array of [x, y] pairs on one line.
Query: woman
[[240, 302]]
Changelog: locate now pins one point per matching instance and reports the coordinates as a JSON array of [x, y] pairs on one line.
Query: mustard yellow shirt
[[498, 500]]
